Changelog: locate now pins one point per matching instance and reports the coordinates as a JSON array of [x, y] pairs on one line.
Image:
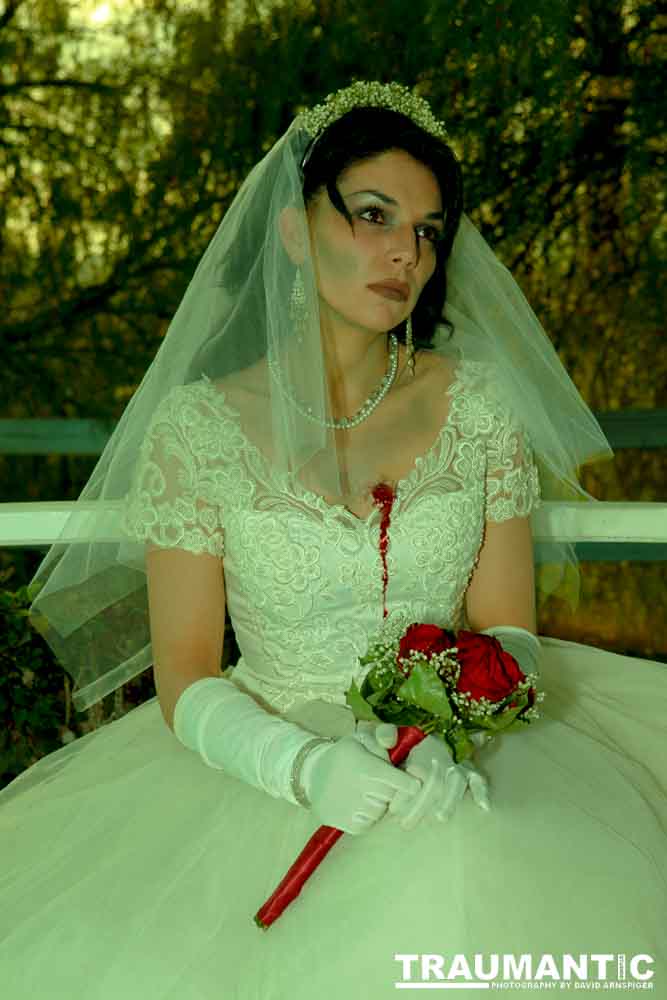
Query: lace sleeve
[[512, 480], [168, 504]]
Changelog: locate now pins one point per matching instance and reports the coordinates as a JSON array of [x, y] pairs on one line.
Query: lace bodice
[[303, 578]]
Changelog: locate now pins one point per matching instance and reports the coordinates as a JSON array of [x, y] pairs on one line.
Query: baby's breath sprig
[[481, 707]]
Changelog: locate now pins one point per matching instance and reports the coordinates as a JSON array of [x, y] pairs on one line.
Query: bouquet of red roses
[[425, 680], [444, 684]]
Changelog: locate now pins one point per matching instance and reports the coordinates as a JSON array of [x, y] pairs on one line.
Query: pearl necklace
[[345, 423]]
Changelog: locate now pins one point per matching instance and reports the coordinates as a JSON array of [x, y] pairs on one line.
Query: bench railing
[[603, 530]]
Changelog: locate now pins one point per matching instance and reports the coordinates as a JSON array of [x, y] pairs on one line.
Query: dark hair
[[366, 132]]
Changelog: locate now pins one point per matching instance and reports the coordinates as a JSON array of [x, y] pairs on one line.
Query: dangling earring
[[409, 345], [297, 306]]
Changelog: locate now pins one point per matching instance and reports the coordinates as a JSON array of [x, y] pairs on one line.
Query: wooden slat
[[624, 429], [635, 428], [53, 437]]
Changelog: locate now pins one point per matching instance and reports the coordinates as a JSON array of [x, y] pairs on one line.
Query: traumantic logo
[[509, 971]]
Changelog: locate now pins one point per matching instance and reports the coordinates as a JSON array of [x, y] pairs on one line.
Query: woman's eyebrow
[[390, 201]]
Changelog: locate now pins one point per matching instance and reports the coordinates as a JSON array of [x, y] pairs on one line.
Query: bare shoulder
[[425, 396], [438, 372], [437, 363]]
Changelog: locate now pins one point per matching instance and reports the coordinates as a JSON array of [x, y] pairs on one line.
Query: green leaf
[[378, 679], [360, 707], [425, 689], [403, 714], [460, 744], [377, 684], [502, 719]]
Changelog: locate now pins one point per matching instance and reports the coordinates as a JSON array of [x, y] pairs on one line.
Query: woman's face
[[396, 209]]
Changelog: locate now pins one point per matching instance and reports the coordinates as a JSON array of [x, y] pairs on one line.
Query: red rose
[[426, 639], [487, 671]]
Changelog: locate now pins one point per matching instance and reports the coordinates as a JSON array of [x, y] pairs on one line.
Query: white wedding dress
[[129, 869]]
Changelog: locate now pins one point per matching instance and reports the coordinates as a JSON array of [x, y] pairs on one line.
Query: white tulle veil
[[237, 310]]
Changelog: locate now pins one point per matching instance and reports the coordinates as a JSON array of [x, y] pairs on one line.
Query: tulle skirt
[[129, 869]]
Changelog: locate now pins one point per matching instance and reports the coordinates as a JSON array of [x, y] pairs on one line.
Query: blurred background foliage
[[126, 128]]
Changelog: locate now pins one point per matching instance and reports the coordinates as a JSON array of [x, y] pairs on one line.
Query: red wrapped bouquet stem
[[322, 841]]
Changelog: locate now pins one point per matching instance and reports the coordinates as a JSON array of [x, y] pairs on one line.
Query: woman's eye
[[373, 210], [432, 234]]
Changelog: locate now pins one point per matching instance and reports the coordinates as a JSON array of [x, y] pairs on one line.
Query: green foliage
[[118, 167], [36, 711], [423, 698], [361, 707], [425, 688], [31, 689]]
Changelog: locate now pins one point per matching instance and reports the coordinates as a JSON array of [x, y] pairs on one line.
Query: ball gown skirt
[[130, 869]]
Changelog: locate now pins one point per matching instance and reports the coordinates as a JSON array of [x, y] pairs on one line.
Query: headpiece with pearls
[[394, 96]]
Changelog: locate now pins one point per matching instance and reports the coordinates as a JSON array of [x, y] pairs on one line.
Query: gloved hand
[[444, 782], [347, 786], [350, 788]]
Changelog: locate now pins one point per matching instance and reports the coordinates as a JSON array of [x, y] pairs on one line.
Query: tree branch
[[10, 10], [93, 86]]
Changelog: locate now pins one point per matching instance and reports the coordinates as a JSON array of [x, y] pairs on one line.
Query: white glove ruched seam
[[233, 733]]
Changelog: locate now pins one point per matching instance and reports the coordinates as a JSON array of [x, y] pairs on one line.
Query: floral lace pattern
[[304, 602]]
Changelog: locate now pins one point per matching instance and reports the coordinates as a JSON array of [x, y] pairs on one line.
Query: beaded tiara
[[394, 96]]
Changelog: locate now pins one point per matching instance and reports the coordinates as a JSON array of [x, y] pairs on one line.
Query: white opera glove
[[377, 737], [523, 645], [233, 733], [339, 781], [443, 782]]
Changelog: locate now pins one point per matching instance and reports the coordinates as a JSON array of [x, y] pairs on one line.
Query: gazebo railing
[[603, 530]]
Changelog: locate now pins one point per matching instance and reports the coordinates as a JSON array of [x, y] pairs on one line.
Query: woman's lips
[[388, 292]]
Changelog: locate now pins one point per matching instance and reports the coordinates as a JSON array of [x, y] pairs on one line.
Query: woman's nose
[[404, 244]]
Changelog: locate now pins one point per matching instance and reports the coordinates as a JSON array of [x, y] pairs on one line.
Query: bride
[[349, 423]]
